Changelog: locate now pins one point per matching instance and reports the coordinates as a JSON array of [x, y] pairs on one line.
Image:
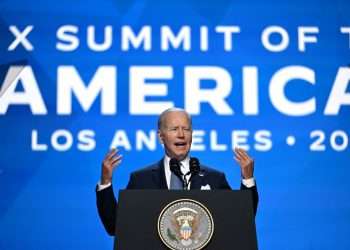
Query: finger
[[239, 154], [111, 153], [241, 151], [244, 154], [248, 158], [113, 159], [116, 157], [241, 163], [237, 159], [116, 163]]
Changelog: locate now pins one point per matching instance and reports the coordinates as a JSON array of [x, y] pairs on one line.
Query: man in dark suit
[[175, 133]]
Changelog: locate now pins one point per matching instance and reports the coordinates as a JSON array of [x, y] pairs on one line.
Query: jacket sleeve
[[107, 208], [255, 196], [254, 191]]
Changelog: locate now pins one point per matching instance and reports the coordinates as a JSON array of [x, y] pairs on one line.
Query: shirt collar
[[184, 164]]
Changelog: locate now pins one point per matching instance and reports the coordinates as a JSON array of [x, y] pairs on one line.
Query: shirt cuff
[[102, 186], [249, 182]]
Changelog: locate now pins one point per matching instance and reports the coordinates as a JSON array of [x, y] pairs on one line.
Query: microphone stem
[[186, 183]]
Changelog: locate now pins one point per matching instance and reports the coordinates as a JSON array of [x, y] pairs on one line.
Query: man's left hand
[[245, 162]]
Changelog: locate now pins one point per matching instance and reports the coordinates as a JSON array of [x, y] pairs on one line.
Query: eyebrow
[[189, 127]]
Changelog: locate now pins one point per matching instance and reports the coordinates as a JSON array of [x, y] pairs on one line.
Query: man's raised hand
[[109, 163], [245, 162]]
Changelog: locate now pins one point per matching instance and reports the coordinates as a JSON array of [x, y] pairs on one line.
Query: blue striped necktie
[[175, 182]]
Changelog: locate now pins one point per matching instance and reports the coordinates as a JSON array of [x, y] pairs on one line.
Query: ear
[[160, 136]]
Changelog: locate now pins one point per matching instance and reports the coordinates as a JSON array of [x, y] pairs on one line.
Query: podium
[[231, 212]]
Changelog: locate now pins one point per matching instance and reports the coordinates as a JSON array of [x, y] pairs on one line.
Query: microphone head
[[175, 167], [194, 165]]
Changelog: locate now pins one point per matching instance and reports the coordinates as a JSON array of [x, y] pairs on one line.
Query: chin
[[181, 156], [178, 154]]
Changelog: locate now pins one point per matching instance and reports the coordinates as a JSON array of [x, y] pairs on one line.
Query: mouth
[[180, 144]]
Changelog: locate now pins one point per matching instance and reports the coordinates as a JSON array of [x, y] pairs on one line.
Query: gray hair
[[174, 109]]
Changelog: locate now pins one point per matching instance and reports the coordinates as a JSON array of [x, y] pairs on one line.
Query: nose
[[180, 133]]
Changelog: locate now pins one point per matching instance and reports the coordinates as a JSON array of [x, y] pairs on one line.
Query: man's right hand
[[110, 162]]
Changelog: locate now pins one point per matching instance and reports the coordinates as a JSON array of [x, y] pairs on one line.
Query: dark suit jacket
[[153, 177]]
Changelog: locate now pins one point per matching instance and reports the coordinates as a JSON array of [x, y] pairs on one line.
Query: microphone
[[194, 166], [175, 167]]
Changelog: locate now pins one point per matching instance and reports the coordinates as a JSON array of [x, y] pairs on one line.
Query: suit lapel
[[197, 180], [159, 175]]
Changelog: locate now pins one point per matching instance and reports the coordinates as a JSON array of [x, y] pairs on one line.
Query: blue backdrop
[[224, 61]]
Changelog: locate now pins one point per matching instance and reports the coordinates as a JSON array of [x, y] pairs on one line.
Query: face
[[176, 134]]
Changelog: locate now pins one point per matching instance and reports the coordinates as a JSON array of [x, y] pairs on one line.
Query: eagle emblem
[[185, 225]]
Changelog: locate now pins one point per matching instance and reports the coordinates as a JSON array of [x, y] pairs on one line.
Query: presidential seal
[[185, 225]]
